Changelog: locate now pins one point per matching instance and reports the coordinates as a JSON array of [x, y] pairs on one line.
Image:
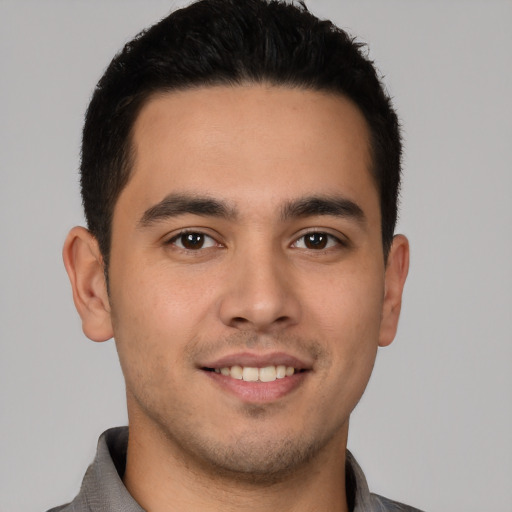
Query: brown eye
[[193, 241], [316, 240]]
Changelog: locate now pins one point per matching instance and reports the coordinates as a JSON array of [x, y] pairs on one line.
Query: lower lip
[[258, 392]]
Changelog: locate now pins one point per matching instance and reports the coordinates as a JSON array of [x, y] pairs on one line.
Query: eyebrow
[[336, 206], [174, 205]]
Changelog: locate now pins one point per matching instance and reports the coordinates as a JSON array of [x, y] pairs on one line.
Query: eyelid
[[340, 239], [170, 240]]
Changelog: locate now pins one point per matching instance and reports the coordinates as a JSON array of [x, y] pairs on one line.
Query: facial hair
[[251, 455]]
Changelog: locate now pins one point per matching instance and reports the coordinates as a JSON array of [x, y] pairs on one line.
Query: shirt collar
[[103, 488]]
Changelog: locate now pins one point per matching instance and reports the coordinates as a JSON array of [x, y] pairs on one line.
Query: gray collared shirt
[[103, 489]]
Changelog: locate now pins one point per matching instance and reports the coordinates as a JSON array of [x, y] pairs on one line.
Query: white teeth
[[236, 372], [281, 371], [252, 374], [268, 374]]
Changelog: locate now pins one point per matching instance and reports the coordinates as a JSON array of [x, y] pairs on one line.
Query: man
[[240, 172]]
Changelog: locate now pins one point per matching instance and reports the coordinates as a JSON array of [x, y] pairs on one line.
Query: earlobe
[[84, 265], [396, 273]]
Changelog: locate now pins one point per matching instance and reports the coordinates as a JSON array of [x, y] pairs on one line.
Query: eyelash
[[182, 234], [330, 241]]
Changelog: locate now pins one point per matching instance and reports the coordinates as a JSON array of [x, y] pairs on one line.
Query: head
[[230, 42], [240, 170]]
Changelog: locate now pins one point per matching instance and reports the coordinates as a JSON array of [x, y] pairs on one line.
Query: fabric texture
[[103, 489]]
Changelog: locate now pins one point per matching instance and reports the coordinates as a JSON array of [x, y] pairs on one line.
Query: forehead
[[242, 141]]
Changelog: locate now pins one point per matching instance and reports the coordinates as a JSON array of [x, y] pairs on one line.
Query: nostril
[[240, 320]]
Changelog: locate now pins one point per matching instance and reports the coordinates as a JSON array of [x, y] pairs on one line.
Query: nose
[[260, 293]]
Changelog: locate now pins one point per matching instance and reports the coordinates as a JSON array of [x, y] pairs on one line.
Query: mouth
[[254, 374], [256, 378]]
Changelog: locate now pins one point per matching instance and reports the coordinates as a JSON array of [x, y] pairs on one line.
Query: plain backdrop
[[434, 428]]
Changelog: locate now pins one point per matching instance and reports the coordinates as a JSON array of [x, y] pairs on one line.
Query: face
[[247, 279]]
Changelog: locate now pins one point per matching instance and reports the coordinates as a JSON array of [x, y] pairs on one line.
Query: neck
[[161, 478]]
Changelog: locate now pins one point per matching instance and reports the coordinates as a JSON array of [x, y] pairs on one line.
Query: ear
[[84, 265], [396, 273]]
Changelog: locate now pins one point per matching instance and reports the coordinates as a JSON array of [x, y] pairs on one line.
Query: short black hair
[[231, 42]]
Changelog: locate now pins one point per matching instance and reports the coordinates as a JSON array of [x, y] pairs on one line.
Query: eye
[[193, 241], [317, 240]]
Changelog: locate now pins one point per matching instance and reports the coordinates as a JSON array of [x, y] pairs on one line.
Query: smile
[[254, 374], [258, 378]]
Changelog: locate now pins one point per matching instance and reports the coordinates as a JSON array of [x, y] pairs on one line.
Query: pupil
[[192, 240], [316, 241]]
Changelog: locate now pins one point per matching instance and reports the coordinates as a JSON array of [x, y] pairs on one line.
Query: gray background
[[434, 428]]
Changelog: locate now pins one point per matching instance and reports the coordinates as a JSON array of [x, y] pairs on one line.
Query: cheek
[[350, 304], [157, 312], [149, 332], [348, 316]]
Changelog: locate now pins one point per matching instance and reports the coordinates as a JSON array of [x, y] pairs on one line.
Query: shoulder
[[76, 505], [381, 504], [360, 498]]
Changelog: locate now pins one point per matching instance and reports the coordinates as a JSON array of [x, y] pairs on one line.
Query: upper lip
[[256, 360]]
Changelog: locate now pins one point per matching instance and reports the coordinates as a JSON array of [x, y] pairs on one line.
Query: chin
[[256, 458]]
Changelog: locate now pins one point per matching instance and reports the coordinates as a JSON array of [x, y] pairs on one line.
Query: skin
[[254, 286]]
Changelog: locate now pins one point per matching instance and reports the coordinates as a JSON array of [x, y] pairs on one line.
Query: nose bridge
[[260, 294]]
